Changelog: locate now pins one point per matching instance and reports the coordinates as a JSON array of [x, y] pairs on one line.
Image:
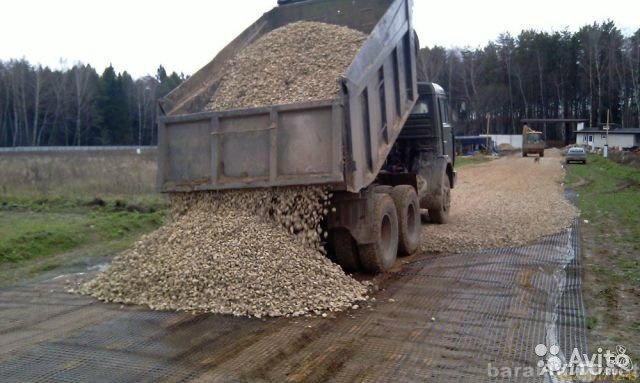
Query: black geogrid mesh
[[442, 318]]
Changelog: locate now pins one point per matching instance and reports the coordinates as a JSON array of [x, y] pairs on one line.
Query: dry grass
[[87, 174], [625, 158]]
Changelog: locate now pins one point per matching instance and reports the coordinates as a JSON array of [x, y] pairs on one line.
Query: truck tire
[[441, 215], [542, 154], [408, 210], [381, 255], [345, 250], [524, 154]]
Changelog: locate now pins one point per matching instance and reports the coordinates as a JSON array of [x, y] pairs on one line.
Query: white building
[[515, 140], [618, 137]]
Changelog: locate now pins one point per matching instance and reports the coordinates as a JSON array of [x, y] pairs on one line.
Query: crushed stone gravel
[[245, 253], [298, 62], [505, 202]]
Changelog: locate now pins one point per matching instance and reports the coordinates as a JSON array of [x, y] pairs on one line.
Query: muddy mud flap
[[353, 213], [430, 171]]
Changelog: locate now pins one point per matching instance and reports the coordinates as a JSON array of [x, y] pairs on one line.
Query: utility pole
[[606, 139], [488, 122]]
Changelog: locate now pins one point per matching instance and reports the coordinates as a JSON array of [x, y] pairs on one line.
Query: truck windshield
[[533, 138], [423, 106]]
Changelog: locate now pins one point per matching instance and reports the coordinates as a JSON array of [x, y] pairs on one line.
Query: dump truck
[[532, 142], [383, 146]]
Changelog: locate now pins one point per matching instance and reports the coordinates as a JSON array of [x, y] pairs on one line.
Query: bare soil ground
[[508, 201]]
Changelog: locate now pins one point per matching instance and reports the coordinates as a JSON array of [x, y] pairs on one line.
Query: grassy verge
[[35, 234], [609, 201], [609, 197], [471, 160]]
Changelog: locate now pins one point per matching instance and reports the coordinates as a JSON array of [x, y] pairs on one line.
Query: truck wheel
[[408, 210], [345, 250], [524, 154], [541, 154], [381, 255], [441, 215]]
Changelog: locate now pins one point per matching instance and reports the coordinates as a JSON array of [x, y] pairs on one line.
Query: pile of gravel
[[255, 253], [245, 253], [298, 62]]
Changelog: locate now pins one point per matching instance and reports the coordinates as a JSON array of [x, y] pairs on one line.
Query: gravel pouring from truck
[[359, 144]]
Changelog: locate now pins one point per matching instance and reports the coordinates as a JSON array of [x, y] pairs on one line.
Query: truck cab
[[425, 148], [430, 122]]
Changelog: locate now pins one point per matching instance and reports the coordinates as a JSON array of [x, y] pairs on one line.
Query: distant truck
[[384, 145], [532, 142]]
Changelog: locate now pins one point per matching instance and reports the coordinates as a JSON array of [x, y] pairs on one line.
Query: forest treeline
[[535, 75], [78, 106], [541, 75]]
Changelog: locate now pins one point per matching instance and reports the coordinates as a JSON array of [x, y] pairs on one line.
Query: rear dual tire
[[408, 210], [396, 227], [381, 255]]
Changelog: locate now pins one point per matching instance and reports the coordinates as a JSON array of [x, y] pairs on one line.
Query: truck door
[[446, 129]]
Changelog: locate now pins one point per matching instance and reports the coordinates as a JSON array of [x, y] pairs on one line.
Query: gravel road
[[508, 201]]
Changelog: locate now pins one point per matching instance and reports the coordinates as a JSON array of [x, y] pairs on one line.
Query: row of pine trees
[[541, 75], [44, 107], [534, 75]]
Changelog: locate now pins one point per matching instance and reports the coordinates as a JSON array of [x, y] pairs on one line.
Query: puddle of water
[[99, 267]]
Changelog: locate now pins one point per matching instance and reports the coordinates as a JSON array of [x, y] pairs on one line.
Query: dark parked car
[[576, 154]]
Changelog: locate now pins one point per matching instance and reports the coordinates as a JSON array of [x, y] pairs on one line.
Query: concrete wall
[[514, 140], [615, 140]]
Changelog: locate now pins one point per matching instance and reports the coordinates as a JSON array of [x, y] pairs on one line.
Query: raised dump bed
[[342, 142]]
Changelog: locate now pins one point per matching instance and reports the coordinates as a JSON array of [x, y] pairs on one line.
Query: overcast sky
[[139, 35]]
